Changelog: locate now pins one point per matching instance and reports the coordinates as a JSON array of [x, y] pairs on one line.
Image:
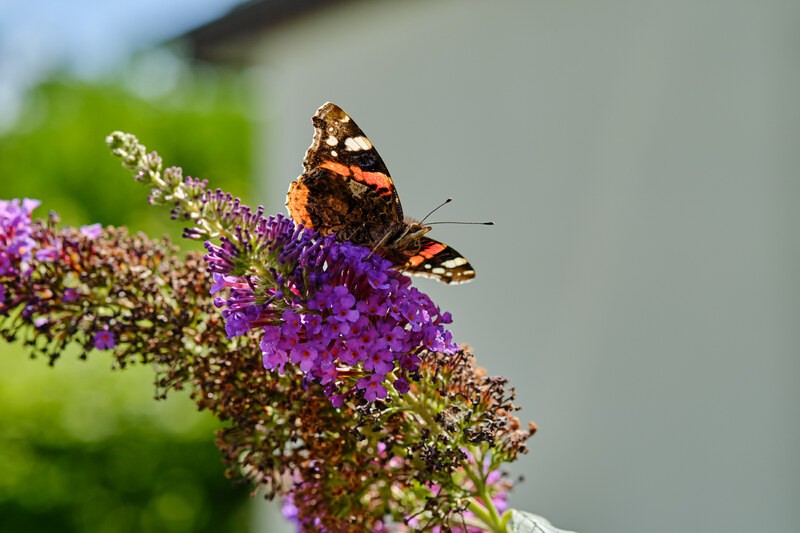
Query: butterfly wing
[[339, 141], [438, 261], [346, 188]]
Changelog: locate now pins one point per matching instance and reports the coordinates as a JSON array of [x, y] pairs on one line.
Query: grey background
[[640, 160]]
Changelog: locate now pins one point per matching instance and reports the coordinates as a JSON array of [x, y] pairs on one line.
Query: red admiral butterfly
[[346, 190]]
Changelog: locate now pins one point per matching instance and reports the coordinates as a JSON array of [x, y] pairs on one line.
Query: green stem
[[485, 510], [496, 521], [487, 517]]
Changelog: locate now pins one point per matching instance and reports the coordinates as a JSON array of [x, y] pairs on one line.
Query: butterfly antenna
[[436, 209]]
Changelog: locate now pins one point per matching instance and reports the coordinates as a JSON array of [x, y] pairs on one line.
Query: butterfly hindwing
[[439, 261]]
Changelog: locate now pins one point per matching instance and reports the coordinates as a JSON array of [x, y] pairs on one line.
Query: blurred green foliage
[[85, 448], [88, 449], [57, 151]]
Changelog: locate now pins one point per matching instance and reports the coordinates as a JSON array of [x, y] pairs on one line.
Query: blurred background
[[640, 288]]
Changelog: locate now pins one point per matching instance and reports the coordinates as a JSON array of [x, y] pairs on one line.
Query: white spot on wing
[[453, 263], [438, 270], [332, 141], [334, 153], [354, 144]]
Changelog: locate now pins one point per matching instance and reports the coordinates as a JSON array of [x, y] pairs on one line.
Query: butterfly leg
[[380, 243], [353, 233]]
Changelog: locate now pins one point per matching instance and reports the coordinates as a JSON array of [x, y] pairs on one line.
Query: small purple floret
[[373, 388], [104, 340], [92, 231], [70, 295]]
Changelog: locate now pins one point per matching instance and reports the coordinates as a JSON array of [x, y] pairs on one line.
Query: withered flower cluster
[[341, 390]]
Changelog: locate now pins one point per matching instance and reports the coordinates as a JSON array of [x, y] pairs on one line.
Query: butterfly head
[[411, 233]]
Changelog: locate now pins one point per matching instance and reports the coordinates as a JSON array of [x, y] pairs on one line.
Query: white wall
[[640, 287]]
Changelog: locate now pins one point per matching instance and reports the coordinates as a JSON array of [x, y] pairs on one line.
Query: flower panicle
[[211, 213], [361, 407], [134, 156], [339, 313], [55, 287], [329, 314]]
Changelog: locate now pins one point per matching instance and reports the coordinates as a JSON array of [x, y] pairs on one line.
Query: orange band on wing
[[427, 253], [380, 181], [297, 202], [338, 168], [432, 249]]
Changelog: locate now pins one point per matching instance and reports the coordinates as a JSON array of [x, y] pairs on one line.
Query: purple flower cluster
[[22, 246], [16, 242], [327, 308]]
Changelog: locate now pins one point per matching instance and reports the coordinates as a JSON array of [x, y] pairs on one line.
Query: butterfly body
[[346, 190]]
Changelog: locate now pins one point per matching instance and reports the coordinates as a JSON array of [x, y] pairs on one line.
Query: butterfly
[[346, 190]]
